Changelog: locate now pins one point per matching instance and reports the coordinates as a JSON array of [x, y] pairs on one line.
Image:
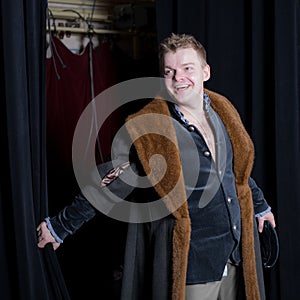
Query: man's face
[[184, 73]]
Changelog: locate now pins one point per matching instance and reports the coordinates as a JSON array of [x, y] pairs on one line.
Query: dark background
[[253, 51]]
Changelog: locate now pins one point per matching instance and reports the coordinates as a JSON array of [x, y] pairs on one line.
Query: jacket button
[[234, 227], [206, 153], [191, 128], [229, 200]]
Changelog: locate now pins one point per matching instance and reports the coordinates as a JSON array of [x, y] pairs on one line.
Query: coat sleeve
[[71, 218], [259, 201], [114, 177]]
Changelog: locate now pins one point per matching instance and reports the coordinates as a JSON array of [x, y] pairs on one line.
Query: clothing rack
[[79, 16], [80, 19], [88, 11], [86, 30], [100, 2]]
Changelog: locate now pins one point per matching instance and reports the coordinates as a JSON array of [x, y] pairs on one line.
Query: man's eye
[[188, 68], [168, 73]]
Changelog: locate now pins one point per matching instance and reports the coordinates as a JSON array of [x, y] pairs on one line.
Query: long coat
[[169, 250]]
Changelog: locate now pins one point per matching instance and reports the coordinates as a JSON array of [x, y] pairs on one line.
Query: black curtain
[[287, 142], [253, 51], [26, 272]]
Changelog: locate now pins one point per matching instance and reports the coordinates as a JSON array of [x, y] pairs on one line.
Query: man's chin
[[180, 99], [171, 96]]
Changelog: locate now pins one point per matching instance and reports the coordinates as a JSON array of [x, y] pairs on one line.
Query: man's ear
[[206, 72]]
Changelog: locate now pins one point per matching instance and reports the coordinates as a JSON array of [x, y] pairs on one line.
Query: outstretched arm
[[55, 229]]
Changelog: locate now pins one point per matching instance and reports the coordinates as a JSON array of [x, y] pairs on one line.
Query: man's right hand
[[45, 236]]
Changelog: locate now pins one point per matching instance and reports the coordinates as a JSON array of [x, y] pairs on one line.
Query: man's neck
[[195, 108]]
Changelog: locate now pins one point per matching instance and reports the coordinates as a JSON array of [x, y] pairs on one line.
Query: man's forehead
[[182, 56], [181, 49]]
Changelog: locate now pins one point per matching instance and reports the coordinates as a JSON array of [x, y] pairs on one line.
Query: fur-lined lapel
[[171, 188], [153, 133], [243, 151]]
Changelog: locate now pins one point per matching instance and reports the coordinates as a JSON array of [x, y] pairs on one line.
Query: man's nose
[[178, 75]]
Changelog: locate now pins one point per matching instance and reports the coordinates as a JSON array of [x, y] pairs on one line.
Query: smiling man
[[219, 242], [207, 247]]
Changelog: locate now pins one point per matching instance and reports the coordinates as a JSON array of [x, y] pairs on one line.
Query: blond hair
[[177, 41]]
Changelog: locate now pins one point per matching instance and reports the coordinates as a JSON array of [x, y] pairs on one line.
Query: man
[[202, 248]]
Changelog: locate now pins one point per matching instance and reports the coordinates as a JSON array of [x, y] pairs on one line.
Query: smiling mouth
[[181, 87]]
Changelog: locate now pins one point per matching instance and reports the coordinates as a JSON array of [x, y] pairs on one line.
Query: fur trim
[[171, 187], [243, 151]]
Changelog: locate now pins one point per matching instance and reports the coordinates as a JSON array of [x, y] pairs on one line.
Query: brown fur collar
[[171, 189], [243, 151]]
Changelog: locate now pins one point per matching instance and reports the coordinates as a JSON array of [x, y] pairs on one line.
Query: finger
[[273, 223], [41, 244], [43, 225], [260, 225], [56, 245]]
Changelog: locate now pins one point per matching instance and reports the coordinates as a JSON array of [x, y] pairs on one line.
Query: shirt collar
[[206, 103]]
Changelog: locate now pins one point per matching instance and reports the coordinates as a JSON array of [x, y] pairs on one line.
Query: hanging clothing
[[68, 92]]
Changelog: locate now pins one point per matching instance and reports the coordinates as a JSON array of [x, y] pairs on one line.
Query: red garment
[[68, 95]]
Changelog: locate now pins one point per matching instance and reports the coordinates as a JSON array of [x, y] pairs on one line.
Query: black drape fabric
[[26, 272], [253, 51], [287, 141]]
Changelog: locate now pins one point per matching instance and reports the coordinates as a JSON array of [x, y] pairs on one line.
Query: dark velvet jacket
[[156, 256]]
